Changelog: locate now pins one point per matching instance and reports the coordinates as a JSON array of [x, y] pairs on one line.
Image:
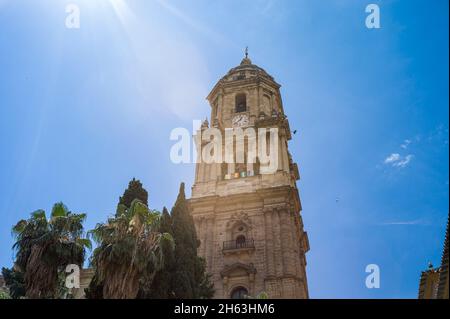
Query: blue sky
[[83, 111]]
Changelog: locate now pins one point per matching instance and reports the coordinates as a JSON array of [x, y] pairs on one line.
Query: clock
[[240, 120]]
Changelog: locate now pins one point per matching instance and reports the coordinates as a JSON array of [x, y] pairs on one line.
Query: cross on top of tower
[[246, 60]]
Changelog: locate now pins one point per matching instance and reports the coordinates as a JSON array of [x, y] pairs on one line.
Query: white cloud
[[403, 162], [392, 158], [405, 144], [396, 160]]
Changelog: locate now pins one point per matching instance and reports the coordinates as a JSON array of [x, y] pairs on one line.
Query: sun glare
[[120, 7]]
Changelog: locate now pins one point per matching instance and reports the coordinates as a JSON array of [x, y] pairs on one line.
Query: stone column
[[210, 242], [225, 287], [285, 156], [295, 244], [220, 107], [277, 243], [258, 107], [269, 243], [204, 234], [287, 243]]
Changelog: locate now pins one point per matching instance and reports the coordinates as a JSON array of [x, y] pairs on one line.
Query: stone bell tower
[[248, 221]]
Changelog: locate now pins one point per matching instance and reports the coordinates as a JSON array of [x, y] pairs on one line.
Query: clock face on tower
[[240, 120]]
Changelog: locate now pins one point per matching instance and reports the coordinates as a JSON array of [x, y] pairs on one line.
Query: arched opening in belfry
[[241, 102]]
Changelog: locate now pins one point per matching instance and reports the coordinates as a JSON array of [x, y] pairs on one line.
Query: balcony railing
[[249, 243]]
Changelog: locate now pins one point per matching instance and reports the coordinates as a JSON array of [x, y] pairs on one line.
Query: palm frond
[[38, 215], [59, 210], [19, 227], [84, 242], [43, 247]]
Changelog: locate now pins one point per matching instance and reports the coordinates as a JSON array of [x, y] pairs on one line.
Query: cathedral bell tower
[[247, 220]]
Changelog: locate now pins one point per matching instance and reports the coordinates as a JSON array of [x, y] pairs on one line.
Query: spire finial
[[246, 60]]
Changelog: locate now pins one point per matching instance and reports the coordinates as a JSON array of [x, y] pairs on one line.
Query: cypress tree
[[189, 279], [134, 191]]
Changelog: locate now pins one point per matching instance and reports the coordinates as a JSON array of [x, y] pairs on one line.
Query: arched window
[[240, 241], [241, 102], [239, 293]]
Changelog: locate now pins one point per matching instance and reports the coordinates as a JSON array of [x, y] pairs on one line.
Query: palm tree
[[44, 247], [130, 250]]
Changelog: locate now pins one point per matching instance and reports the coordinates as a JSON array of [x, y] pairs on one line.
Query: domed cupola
[[245, 72], [244, 95]]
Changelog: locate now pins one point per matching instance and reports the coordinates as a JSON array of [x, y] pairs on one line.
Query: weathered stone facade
[[249, 222], [434, 281], [85, 279]]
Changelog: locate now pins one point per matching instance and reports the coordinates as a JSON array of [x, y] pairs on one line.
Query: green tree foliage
[[186, 274], [141, 253], [160, 287], [134, 191], [4, 295], [183, 275], [44, 247], [15, 282], [261, 295], [129, 252]]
